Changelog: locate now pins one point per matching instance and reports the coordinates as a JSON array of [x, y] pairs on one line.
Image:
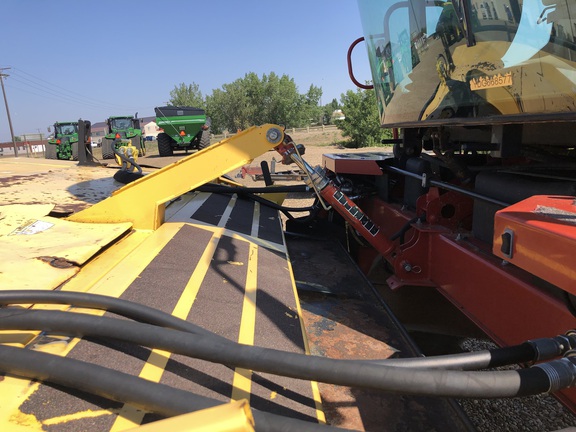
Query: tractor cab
[[61, 129], [120, 124]]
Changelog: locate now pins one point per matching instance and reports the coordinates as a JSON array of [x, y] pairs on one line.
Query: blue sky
[[91, 59]]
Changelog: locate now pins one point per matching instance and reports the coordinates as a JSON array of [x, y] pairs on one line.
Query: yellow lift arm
[[142, 202]]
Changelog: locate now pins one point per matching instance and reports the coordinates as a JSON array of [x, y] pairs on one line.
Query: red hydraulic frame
[[509, 304]]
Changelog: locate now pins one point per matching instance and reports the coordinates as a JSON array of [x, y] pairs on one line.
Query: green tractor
[[120, 130], [64, 145], [184, 128]]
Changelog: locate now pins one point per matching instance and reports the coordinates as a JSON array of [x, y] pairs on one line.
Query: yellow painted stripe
[[228, 211], [154, 367], [277, 247], [315, 390], [110, 274], [242, 383], [256, 220]]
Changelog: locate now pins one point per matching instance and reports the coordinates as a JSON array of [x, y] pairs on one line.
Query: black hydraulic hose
[[215, 188], [250, 193], [531, 351], [524, 353], [135, 311], [125, 388], [400, 234], [542, 378]]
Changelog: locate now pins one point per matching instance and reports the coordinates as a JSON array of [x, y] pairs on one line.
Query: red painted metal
[[543, 232], [508, 303], [503, 300], [353, 163], [359, 221], [350, 71]]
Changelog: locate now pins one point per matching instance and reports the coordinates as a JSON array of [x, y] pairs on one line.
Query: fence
[[25, 148], [309, 129]]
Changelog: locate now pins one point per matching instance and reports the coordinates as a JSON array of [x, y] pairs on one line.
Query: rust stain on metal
[[333, 331], [343, 338], [57, 262]]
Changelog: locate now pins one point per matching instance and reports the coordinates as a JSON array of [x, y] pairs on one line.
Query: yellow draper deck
[[215, 260], [209, 264]]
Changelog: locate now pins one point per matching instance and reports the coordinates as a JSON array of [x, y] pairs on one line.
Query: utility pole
[[2, 76]]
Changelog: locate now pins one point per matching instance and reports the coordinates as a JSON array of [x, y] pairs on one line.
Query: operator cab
[[121, 123], [66, 128], [471, 63]]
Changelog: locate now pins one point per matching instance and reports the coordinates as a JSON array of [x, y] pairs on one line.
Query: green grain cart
[[64, 145], [184, 128], [121, 129]]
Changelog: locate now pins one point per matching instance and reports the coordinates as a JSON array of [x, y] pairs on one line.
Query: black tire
[[50, 151], [139, 143], [107, 151], [165, 145], [75, 147], [204, 139]]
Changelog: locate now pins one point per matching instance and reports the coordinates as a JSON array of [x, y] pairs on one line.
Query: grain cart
[[184, 128], [64, 145], [120, 130]]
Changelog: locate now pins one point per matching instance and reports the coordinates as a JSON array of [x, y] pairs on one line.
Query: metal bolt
[[273, 135]]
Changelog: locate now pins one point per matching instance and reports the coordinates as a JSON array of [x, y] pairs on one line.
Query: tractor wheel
[[50, 151], [107, 151], [139, 143], [75, 151], [204, 139], [165, 145]]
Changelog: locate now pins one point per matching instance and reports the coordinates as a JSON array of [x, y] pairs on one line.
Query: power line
[[53, 95], [54, 89]]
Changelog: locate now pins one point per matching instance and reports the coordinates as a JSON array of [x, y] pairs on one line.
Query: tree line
[[254, 100]]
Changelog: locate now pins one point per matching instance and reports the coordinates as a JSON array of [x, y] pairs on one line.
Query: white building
[[150, 129]]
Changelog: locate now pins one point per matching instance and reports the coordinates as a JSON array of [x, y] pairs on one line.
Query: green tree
[[328, 110], [231, 107], [311, 109], [362, 121], [187, 95], [252, 100]]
